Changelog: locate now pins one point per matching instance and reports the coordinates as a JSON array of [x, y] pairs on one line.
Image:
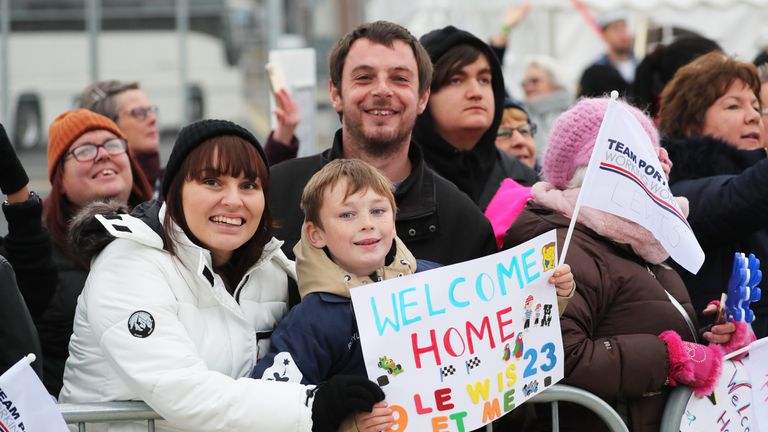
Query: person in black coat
[[658, 68], [18, 331], [457, 131], [711, 126], [29, 246]]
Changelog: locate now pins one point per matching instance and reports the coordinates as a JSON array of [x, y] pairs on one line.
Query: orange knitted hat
[[68, 127]]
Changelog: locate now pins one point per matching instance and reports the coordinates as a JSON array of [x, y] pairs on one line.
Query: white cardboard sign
[[456, 347]]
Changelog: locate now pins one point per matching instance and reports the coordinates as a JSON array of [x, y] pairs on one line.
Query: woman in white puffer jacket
[[180, 303]]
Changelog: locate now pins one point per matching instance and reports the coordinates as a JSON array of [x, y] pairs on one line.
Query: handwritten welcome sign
[[457, 347], [729, 407], [758, 374]]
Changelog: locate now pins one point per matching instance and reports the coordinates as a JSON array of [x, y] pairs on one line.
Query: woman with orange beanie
[[87, 161]]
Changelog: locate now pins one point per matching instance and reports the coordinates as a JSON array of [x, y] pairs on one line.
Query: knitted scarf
[[612, 227]]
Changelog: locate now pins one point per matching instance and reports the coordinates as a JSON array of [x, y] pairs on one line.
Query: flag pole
[[567, 242], [750, 347], [584, 11], [737, 352]]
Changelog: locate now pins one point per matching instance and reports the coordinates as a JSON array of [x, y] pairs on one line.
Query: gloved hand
[[12, 174], [341, 396], [742, 337], [693, 364]]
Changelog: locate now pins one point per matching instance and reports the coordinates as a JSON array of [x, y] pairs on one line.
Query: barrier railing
[[565, 393], [675, 409], [100, 412]]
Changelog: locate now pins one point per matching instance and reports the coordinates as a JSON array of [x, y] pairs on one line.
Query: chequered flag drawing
[[472, 363], [446, 371]]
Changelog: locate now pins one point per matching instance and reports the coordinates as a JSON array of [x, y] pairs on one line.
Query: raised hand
[[287, 114], [13, 178], [515, 14]]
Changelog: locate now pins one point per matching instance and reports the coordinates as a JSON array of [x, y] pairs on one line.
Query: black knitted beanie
[[195, 134]]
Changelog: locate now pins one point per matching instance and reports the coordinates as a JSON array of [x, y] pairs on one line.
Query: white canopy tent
[[556, 28]]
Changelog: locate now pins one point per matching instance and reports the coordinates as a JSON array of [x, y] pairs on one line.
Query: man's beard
[[380, 145], [384, 146]]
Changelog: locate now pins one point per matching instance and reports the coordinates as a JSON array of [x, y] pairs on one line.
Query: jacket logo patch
[[141, 324], [283, 369]]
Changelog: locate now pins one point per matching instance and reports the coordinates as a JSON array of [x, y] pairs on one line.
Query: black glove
[[341, 396], [12, 174]]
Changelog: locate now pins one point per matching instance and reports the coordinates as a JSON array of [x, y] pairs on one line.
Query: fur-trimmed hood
[[88, 236], [707, 156]]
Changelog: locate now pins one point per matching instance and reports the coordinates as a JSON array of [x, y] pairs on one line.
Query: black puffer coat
[[728, 193], [54, 326]]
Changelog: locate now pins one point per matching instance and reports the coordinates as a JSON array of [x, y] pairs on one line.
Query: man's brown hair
[[359, 176], [384, 33], [695, 87]]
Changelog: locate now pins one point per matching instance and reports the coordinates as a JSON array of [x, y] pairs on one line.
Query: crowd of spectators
[[133, 281]]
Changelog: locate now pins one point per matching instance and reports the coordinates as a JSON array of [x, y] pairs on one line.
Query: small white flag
[[758, 374], [625, 178], [25, 405]]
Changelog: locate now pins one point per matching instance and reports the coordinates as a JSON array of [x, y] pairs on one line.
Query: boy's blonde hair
[[359, 176]]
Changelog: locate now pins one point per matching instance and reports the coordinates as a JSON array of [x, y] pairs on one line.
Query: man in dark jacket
[[619, 58], [380, 78], [458, 129]]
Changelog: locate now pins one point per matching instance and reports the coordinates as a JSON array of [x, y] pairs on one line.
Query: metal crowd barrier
[[102, 412], [99, 412], [566, 393], [675, 409]]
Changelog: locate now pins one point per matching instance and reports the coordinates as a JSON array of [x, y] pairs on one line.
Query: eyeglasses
[[141, 113], [88, 151], [524, 130]]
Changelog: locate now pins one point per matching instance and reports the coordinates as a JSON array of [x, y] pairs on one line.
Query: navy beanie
[[516, 104], [195, 134]]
